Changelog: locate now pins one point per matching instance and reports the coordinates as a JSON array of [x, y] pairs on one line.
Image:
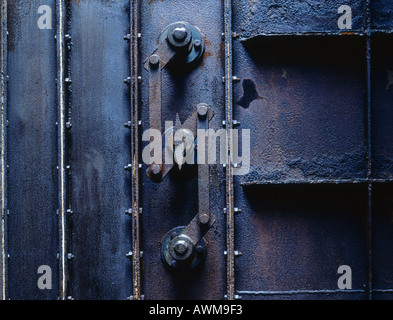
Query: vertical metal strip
[[230, 223], [369, 153], [3, 129], [60, 6], [134, 64]]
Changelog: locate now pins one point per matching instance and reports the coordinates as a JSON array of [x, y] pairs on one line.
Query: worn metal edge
[[62, 185], [369, 284], [135, 179], [230, 223], [3, 129]]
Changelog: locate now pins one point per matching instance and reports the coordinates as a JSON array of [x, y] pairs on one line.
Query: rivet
[[237, 210], [236, 123], [154, 60]]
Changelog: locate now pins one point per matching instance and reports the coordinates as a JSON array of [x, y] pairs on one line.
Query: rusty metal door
[[83, 82]]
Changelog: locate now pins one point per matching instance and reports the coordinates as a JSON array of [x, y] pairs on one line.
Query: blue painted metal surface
[[32, 152], [99, 150], [317, 100]]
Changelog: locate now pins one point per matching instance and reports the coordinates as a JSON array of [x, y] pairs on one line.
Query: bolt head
[[197, 44], [154, 60], [155, 169], [202, 109], [181, 247], [180, 34]]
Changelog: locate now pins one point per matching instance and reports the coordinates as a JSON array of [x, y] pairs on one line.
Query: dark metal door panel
[[99, 149], [304, 107], [293, 239], [32, 153], [254, 18], [382, 235], [317, 101], [382, 116], [174, 202], [382, 15]]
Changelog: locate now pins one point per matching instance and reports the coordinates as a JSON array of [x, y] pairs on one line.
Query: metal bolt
[[154, 60], [70, 212], [237, 210], [68, 125], [129, 255], [68, 80], [128, 167], [128, 124], [202, 109], [238, 253], [180, 34], [70, 256], [236, 123], [181, 247], [127, 37], [129, 212], [67, 37], [197, 44], [155, 169], [127, 81], [140, 210]]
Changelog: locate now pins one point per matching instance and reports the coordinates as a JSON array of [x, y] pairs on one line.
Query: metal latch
[[183, 248]]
